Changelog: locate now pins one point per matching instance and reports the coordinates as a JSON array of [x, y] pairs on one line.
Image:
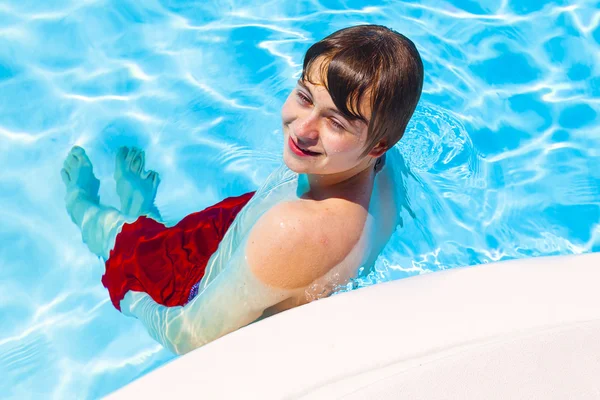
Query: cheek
[[288, 111], [342, 145]]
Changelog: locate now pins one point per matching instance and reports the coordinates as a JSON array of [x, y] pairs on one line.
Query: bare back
[[284, 249], [305, 246]]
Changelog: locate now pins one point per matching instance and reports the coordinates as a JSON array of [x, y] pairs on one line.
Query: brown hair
[[370, 60]]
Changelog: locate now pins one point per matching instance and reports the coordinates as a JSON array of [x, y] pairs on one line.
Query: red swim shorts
[[166, 262]]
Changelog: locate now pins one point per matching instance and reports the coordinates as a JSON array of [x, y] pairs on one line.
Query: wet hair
[[375, 61]]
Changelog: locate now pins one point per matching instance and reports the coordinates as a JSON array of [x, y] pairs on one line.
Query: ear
[[379, 149]]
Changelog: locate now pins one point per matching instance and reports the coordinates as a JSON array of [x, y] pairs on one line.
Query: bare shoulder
[[295, 243]]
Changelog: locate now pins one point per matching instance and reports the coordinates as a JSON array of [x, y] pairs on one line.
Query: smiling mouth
[[299, 150]]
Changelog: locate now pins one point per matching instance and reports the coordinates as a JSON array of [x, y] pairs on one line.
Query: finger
[[65, 176]]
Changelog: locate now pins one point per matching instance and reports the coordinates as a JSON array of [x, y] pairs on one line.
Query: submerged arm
[[234, 299], [283, 254]]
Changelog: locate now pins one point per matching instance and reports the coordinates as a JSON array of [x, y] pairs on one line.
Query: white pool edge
[[461, 333]]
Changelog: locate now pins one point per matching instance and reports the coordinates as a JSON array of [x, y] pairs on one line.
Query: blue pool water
[[504, 149]]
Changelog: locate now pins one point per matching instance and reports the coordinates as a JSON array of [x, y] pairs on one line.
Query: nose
[[307, 127]]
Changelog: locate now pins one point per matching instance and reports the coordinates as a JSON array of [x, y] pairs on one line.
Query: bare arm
[[234, 299], [270, 267]]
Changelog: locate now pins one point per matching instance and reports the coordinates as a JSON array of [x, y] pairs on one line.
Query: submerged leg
[[99, 224], [136, 188]]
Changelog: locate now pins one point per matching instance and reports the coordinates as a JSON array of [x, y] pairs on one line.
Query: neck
[[347, 184]]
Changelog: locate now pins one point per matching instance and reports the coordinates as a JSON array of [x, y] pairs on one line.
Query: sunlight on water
[[503, 150]]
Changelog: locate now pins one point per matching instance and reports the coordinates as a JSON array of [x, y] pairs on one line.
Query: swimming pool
[[503, 150]]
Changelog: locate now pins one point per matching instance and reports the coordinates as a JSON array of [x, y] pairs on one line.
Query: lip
[[298, 151]]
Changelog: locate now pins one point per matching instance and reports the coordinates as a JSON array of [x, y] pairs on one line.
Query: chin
[[295, 165], [300, 166]]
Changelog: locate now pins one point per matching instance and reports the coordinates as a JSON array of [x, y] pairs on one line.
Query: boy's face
[[318, 139]]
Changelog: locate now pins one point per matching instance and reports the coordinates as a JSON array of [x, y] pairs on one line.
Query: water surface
[[503, 150]]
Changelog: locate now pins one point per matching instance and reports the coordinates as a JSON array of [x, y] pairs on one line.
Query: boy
[[313, 224]]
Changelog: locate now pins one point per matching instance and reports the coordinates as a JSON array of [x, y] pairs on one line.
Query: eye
[[303, 98], [336, 125]]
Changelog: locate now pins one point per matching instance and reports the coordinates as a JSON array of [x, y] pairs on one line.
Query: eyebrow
[[350, 119]]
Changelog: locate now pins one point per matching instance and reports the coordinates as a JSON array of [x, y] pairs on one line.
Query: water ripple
[[501, 155]]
